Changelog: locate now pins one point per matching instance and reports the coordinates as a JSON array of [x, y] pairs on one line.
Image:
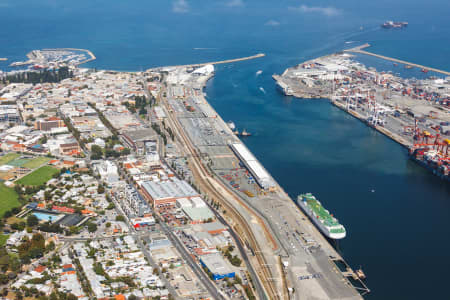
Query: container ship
[[432, 153], [321, 217], [433, 160], [392, 24]]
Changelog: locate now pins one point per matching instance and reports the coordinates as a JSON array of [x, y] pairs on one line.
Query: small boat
[[424, 70], [245, 133], [236, 132], [360, 274], [408, 67], [395, 64], [231, 125]]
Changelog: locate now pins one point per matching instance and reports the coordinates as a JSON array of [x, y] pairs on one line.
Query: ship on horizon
[[321, 217], [392, 24]]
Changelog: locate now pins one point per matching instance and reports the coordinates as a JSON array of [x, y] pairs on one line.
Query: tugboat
[[245, 133], [360, 274]]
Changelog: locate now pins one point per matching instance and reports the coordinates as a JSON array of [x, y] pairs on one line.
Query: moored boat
[[321, 217]]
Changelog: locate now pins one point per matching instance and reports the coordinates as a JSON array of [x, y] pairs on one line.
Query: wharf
[[381, 129], [359, 50]]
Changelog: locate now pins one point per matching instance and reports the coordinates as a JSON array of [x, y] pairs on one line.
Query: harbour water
[[397, 215]]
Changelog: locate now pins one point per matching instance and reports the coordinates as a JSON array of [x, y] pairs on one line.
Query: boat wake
[[205, 48], [259, 72]]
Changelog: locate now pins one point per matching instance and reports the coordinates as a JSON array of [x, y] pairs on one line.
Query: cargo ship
[[433, 160], [392, 24], [321, 217]]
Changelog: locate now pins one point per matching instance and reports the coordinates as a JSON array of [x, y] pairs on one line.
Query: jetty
[[227, 61], [360, 50]]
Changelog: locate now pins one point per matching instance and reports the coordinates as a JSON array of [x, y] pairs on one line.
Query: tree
[[32, 220], [132, 297], [92, 227], [100, 189], [108, 224], [97, 152], [120, 218]]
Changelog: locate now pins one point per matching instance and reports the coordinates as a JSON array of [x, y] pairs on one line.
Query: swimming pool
[[47, 217]]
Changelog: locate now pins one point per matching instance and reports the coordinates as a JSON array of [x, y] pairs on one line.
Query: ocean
[[397, 214]]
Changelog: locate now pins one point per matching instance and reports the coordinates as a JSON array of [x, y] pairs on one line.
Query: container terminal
[[292, 258], [412, 112]]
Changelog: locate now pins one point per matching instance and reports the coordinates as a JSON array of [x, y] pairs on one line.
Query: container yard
[[412, 112]]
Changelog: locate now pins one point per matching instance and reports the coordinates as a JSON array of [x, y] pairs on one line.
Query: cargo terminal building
[[217, 266], [165, 193], [260, 174]]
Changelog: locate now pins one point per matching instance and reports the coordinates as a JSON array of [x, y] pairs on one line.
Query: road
[[190, 261]]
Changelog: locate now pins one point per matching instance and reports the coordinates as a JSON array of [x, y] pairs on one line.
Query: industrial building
[[217, 266], [163, 193], [260, 174], [136, 139]]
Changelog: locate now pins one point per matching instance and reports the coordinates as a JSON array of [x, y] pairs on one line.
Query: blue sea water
[[397, 214]]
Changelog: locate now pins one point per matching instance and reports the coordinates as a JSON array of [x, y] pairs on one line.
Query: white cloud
[[235, 3], [272, 23], [327, 11], [180, 6]]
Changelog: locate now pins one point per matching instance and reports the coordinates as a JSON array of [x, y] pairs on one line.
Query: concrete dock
[[360, 50]]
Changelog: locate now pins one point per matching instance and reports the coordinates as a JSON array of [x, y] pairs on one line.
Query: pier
[[227, 61], [360, 50]]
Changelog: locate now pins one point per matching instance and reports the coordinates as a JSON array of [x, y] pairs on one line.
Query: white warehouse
[[253, 165]]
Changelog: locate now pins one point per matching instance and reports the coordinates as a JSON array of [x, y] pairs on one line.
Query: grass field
[[8, 199], [36, 162], [39, 176], [3, 238], [8, 157]]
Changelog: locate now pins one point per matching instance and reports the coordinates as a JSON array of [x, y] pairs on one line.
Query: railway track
[[205, 183]]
